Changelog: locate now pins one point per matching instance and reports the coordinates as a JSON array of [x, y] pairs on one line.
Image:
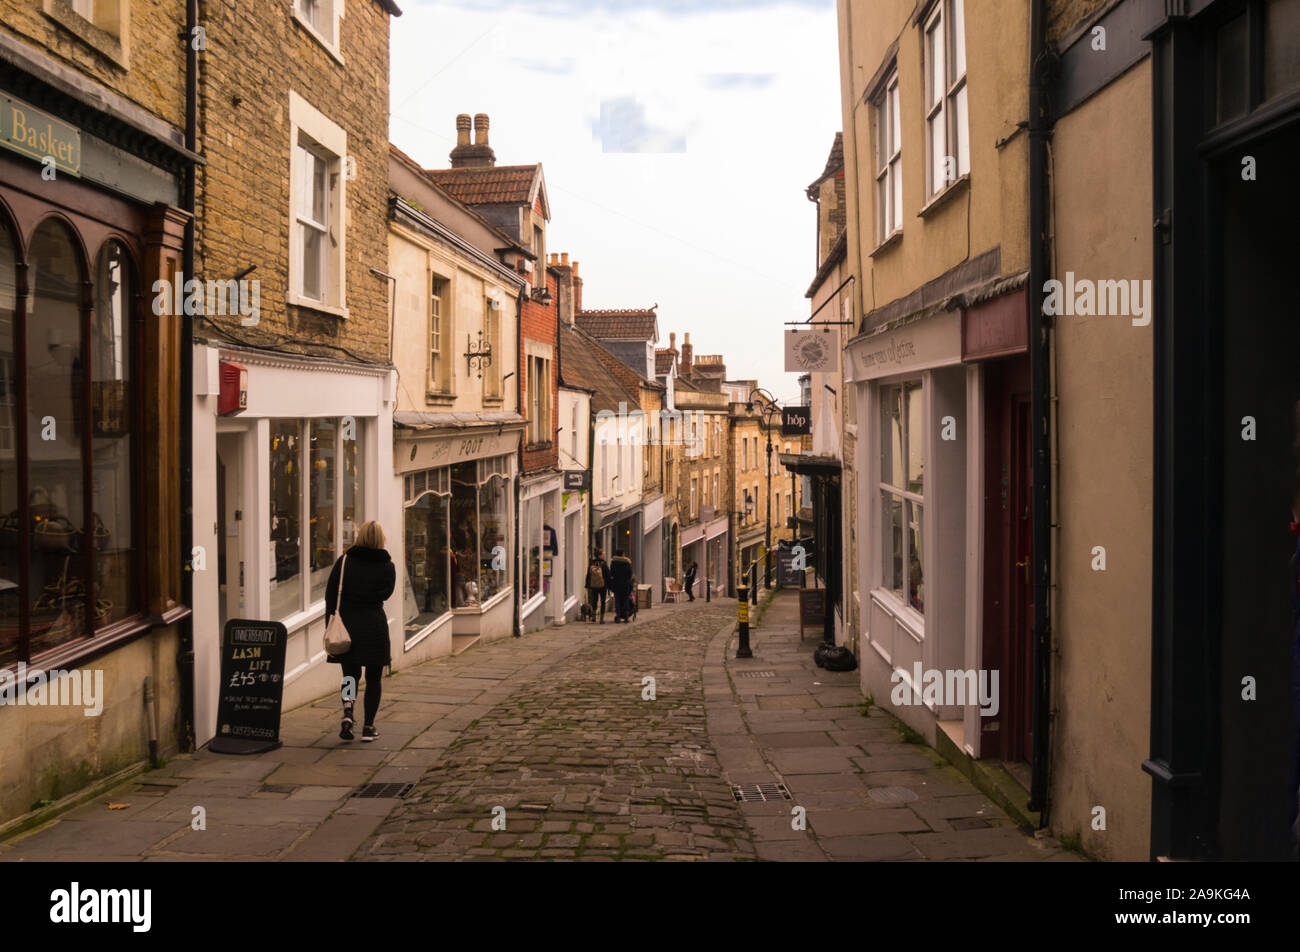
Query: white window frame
[[310, 128], [889, 160], [694, 499], [440, 360], [326, 31], [946, 134], [885, 488]]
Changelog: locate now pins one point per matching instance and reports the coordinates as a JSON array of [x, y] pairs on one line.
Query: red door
[[1020, 656]]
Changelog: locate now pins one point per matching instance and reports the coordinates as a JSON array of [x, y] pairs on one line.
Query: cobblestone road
[[555, 736], [584, 764]]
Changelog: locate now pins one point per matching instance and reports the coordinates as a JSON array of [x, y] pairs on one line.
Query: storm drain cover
[[759, 792], [756, 674], [377, 791], [891, 794]]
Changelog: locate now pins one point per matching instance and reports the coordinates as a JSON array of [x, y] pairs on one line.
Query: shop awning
[[811, 465]]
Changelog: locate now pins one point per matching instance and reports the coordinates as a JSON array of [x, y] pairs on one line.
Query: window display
[[456, 518], [323, 479], [902, 486], [286, 517]]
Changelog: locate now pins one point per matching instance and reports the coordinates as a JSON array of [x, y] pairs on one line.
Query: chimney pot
[[462, 129], [575, 269], [481, 129], [564, 259], [672, 340]]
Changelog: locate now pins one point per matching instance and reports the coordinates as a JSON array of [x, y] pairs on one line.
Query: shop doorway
[[1008, 558], [231, 520]]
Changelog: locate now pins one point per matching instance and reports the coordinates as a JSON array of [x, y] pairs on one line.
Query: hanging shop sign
[[933, 341], [38, 135], [796, 421], [815, 352], [577, 480], [252, 687]]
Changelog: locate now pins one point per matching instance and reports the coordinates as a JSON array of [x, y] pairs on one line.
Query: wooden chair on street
[[673, 591]]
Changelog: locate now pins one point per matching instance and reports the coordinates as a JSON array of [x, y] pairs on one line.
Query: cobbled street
[[557, 746]]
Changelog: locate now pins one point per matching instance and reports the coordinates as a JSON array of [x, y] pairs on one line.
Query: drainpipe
[[523, 437], [1040, 130], [185, 649]]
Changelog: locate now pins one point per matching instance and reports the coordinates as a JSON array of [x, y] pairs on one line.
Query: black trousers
[[374, 687], [597, 594]]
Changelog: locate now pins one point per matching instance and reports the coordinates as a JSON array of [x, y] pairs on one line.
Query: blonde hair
[[371, 536]]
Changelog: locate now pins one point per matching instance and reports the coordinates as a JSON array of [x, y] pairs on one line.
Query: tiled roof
[[637, 324], [428, 176], [495, 185], [664, 360], [581, 366]]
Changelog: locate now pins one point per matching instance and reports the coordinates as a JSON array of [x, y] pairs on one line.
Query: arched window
[[68, 551], [111, 398], [56, 427]]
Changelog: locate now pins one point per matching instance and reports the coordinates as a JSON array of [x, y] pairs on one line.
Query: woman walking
[[368, 580], [597, 583]]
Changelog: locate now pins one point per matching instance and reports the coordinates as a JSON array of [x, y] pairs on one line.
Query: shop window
[[531, 522], [889, 160], [902, 499], [946, 119], [429, 557], [286, 517], [494, 507], [316, 481], [111, 399], [68, 545]]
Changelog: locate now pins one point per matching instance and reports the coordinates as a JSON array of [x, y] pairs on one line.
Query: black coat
[[368, 581], [620, 575]]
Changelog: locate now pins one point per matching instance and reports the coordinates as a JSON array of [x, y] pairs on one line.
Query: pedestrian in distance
[[597, 583], [369, 578], [690, 580], [620, 583]]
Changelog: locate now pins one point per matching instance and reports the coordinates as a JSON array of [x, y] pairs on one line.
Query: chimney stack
[[476, 155], [577, 290], [688, 354]]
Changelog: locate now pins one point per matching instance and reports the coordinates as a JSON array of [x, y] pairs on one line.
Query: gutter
[[1040, 131]]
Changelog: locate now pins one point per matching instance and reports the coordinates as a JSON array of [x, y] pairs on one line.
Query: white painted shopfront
[[279, 491], [456, 480], [541, 552], [917, 550]]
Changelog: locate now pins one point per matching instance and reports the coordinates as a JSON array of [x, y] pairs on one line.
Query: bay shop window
[[457, 533], [315, 507], [902, 492], [70, 559]]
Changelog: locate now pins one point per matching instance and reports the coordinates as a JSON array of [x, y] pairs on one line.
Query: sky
[[676, 139]]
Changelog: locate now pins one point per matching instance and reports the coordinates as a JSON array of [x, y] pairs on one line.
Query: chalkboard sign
[[787, 576], [812, 609], [252, 687]]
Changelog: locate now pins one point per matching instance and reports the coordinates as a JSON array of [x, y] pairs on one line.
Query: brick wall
[[155, 79], [256, 54]]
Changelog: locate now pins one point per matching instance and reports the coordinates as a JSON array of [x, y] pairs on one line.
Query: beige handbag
[[337, 640]]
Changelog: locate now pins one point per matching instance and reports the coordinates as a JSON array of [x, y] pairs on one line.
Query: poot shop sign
[[38, 135]]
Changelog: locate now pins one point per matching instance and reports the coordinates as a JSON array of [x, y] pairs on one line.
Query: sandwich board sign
[[252, 687]]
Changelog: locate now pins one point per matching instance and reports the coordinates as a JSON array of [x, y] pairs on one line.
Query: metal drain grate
[[759, 792], [891, 794], [377, 791], [756, 674]]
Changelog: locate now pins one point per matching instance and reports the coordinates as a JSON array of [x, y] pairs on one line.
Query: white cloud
[[720, 234]]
